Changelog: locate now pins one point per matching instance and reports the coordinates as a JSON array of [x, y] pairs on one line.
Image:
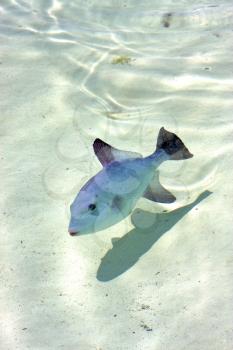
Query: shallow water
[[117, 70]]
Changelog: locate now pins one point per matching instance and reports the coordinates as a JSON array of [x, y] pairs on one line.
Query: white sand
[[166, 284]]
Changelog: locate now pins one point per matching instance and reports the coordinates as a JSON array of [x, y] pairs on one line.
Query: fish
[[111, 195]]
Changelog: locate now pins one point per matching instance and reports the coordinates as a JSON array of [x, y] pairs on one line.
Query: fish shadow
[[127, 250]]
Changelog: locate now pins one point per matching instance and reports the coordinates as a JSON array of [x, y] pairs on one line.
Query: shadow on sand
[[127, 250]]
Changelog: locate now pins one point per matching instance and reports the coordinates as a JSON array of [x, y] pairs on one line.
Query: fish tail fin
[[172, 145]]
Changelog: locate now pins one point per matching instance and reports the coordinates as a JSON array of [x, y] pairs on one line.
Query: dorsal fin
[[107, 154]]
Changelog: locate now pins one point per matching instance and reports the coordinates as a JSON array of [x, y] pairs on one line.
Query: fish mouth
[[73, 232]]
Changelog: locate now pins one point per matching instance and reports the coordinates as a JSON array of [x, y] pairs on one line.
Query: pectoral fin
[[107, 154], [157, 193]]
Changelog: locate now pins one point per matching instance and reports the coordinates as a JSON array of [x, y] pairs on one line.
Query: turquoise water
[[117, 70]]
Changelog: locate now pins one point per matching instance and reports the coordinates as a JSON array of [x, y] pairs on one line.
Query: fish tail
[[172, 145]]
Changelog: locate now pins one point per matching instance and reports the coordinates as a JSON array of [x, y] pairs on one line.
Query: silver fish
[[110, 195]]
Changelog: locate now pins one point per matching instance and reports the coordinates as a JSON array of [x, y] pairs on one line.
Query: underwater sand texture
[[71, 71]]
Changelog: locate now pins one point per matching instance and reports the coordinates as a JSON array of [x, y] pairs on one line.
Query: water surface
[[71, 71]]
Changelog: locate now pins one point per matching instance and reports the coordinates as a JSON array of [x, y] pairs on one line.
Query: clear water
[[71, 71]]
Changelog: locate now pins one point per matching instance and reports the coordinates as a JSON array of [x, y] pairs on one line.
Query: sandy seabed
[[117, 70]]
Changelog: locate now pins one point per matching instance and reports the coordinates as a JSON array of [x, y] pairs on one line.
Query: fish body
[[110, 195]]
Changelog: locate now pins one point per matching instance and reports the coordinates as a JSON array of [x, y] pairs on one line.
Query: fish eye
[[92, 206]]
